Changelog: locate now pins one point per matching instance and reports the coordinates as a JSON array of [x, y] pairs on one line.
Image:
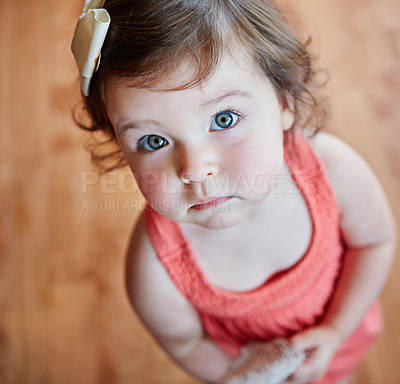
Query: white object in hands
[[265, 363]]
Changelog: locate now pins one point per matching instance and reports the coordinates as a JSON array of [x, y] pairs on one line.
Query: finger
[[305, 376], [312, 369], [303, 341]]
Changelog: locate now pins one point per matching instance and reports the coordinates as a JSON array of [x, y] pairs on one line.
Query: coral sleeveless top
[[289, 301]]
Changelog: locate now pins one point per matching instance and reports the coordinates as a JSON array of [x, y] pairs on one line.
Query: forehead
[[236, 73]]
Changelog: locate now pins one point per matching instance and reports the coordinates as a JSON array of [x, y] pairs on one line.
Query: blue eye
[[224, 120], [152, 143]]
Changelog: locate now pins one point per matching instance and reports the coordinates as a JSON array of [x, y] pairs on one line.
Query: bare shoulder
[[366, 215], [342, 163], [162, 308]]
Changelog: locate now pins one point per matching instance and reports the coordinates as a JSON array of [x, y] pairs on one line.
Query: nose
[[196, 165]]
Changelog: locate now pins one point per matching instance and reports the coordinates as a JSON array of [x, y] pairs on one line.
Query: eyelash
[[231, 110]]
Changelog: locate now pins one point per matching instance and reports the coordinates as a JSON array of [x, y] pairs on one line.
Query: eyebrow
[[134, 124], [232, 93], [125, 127]]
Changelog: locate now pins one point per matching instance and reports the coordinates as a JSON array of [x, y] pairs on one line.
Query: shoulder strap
[[165, 234]]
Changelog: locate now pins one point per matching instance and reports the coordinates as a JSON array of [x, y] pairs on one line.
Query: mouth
[[210, 203]]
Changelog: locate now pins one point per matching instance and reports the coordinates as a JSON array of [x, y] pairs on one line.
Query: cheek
[[151, 184], [157, 186], [151, 191], [256, 167], [149, 179], [256, 158], [163, 195]]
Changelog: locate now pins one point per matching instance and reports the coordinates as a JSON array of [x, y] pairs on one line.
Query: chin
[[221, 220]]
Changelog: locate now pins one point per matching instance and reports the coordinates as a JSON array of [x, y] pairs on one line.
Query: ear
[[287, 114]]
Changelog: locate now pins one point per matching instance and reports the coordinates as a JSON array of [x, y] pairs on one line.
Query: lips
[[211, 202]]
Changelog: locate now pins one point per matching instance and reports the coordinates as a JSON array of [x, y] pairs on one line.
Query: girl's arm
[[167, 314], [369, 234]]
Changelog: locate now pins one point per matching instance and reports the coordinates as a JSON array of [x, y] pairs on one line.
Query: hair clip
[[89, 36]]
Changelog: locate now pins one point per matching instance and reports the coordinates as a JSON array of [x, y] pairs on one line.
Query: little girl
[[255, 230]]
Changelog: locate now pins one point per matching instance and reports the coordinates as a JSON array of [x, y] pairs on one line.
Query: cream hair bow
[[89, 36]]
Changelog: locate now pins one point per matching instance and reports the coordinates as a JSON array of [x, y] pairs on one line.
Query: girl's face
[[205, 155]]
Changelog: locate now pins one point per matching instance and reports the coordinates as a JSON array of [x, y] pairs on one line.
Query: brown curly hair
[[147, 38]]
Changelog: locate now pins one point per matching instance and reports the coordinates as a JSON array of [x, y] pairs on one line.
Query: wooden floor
[[64, 314]]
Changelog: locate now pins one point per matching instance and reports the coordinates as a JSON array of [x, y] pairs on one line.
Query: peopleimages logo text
[[127, 183]]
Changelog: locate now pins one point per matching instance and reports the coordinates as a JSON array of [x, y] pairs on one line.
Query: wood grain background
[[64, 314]]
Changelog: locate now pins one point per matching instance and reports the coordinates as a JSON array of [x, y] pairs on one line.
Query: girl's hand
[[320, 343]]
